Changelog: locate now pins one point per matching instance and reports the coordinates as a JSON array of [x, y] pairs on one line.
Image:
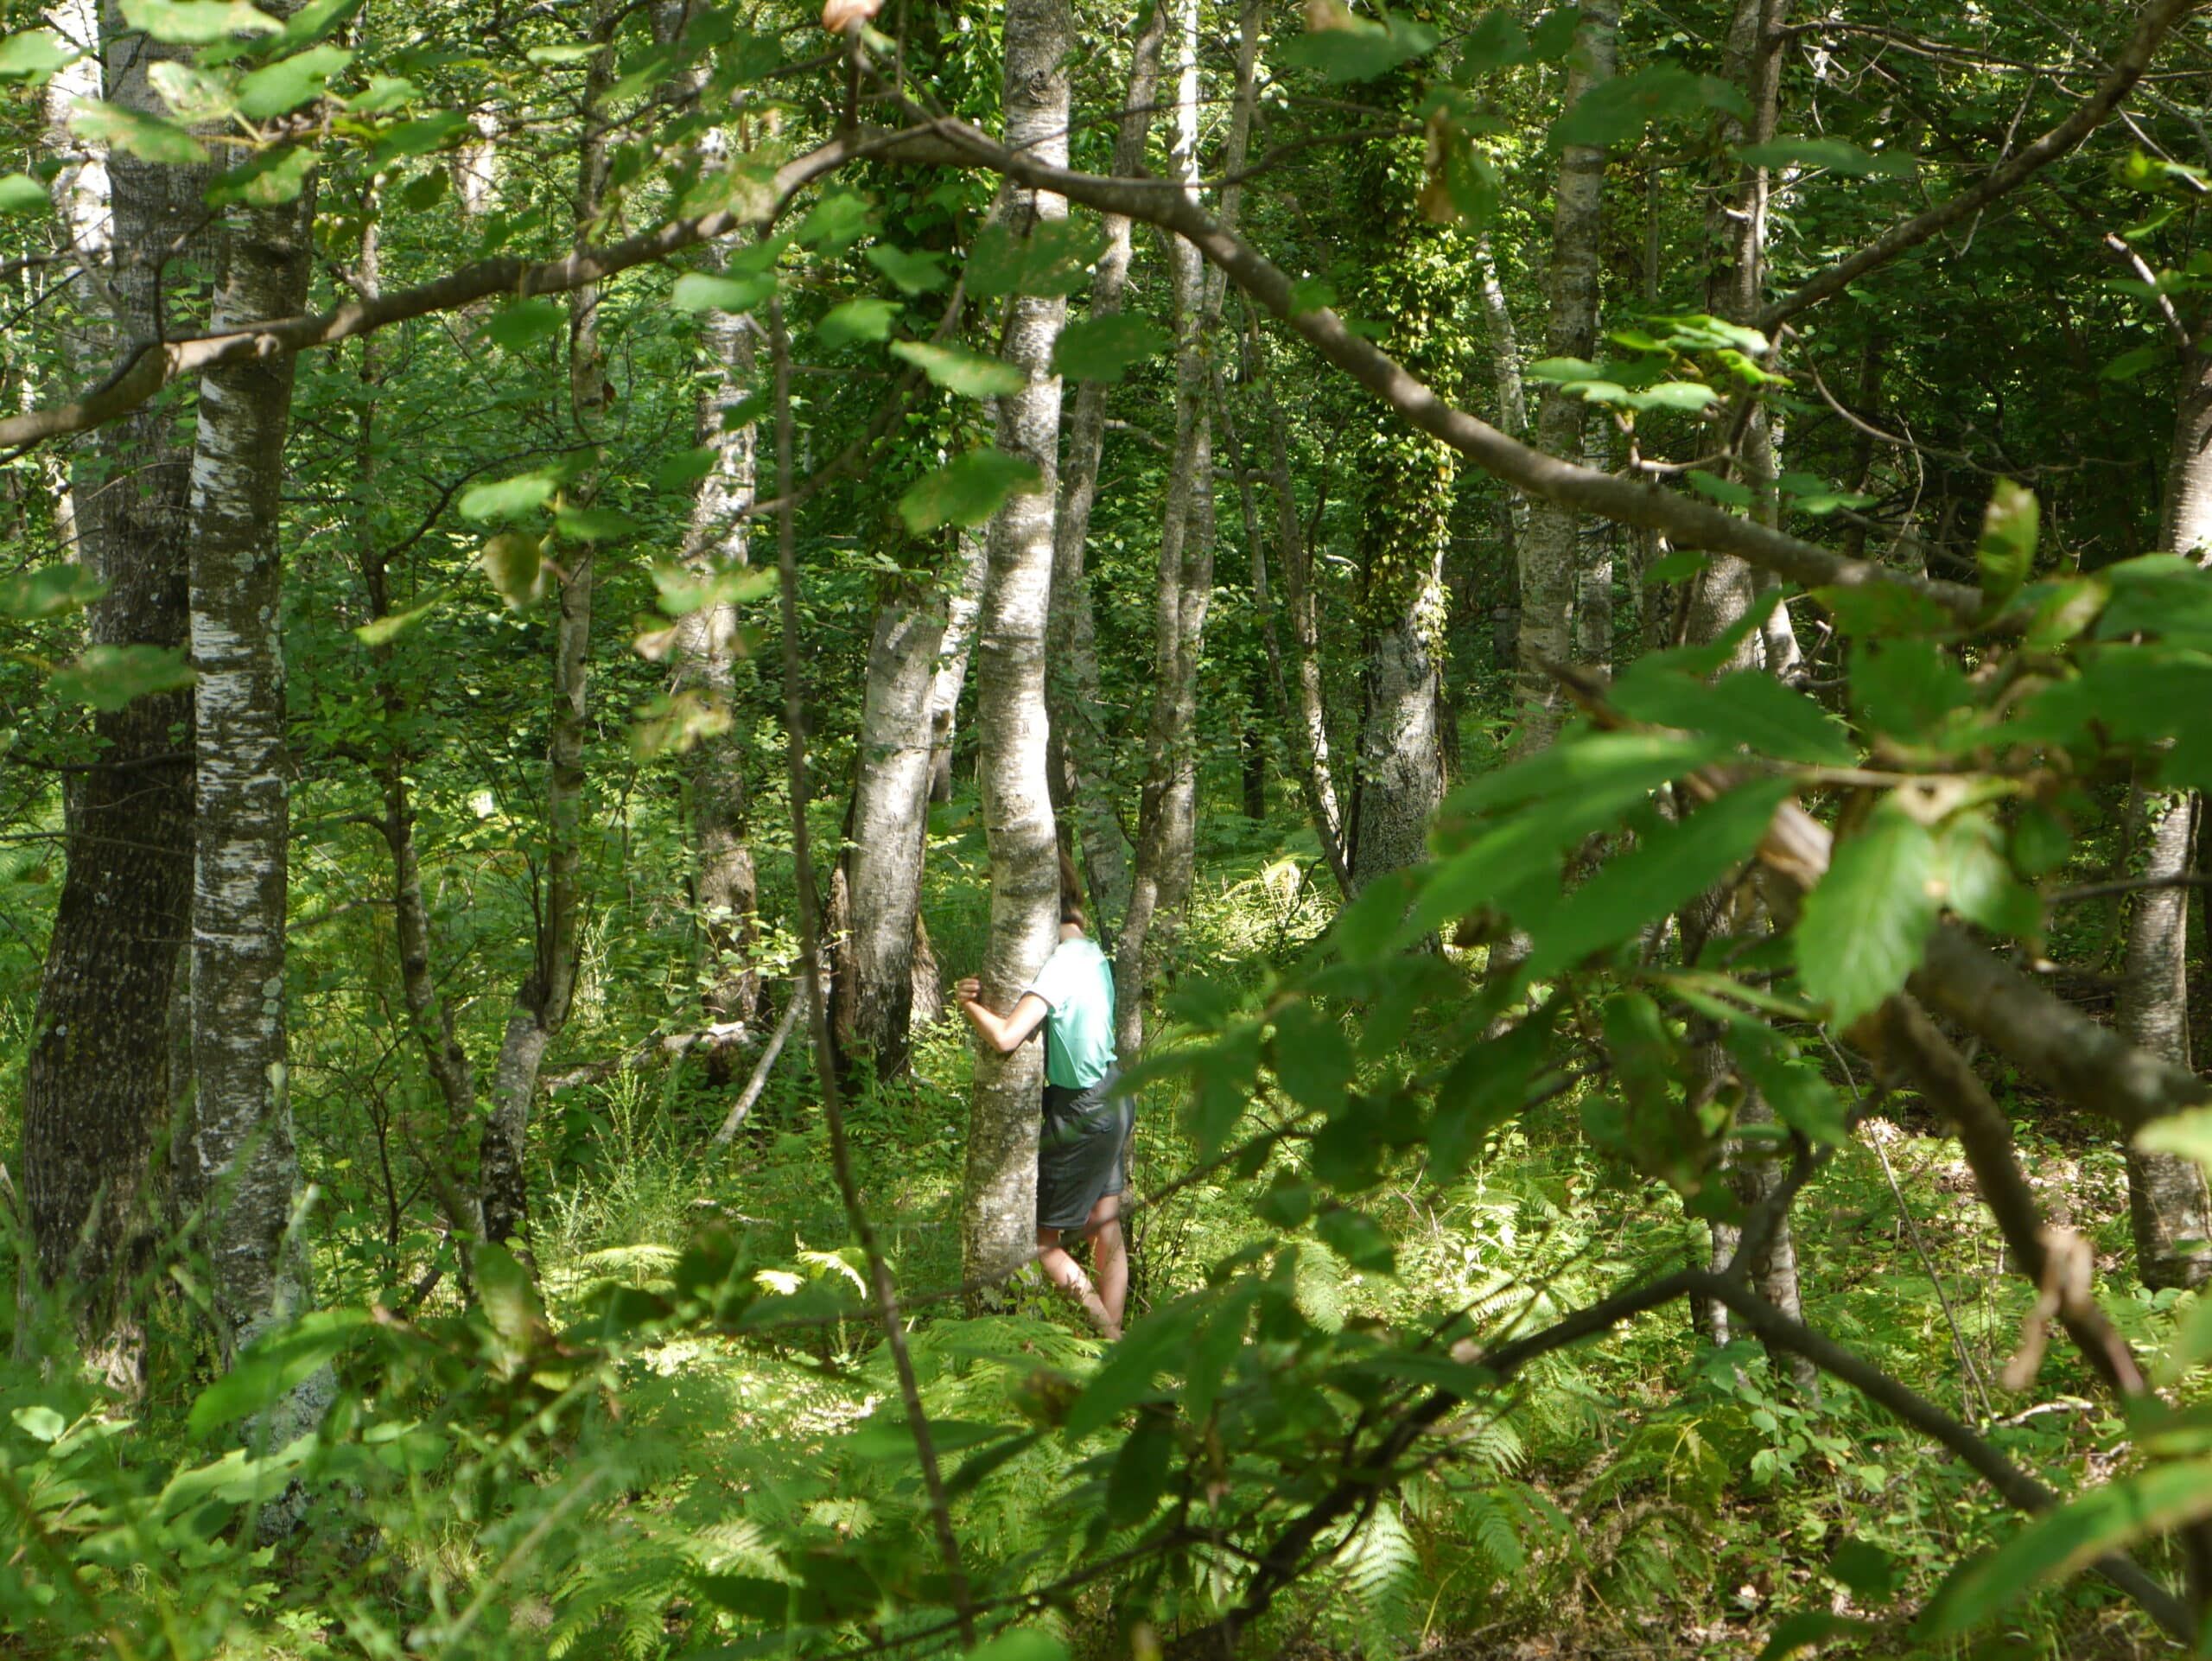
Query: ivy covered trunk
[[1405, 511], [872, 1006], [97, 1079], [2168, 1202], [1548, 551], [1082, 776], [247, 1170], [999, 1214]]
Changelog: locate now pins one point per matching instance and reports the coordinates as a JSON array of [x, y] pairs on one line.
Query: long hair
[[1072, 894]]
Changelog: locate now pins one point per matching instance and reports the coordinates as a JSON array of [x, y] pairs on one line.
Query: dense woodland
[[1607, 602]]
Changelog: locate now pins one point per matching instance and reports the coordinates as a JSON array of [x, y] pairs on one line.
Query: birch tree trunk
[[726, 887], [1159, 883], [247, 1167], [872, 1001], [1082, 778], [999, 1213], [542, 1002], [2167, 1200], [1548, 554], [96, 1080], [951, 675]]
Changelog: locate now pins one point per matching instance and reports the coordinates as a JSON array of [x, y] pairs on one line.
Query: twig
[[760, 1078]]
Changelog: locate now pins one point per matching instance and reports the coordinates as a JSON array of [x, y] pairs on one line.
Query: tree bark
[[1548, 555], [951, 676], [1082, 773], [97, 1081], [872, 1000], [726, 887], [1160, 885], [2169, 1204], [999, 1213], [542, 1001], [247, 1167]]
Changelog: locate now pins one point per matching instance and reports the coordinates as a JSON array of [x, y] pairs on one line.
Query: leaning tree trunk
[[1159, 883], [1083, 739], [998, 1215], [872, 999], [2168, 1204], [97, 1082], [247, 1168], [1547, 552], [1404, 528], [542, 1002]]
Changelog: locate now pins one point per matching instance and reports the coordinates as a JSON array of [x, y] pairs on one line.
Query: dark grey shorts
[[1083, 1151]]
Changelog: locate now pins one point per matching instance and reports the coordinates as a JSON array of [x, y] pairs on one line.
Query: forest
[[647, 647]]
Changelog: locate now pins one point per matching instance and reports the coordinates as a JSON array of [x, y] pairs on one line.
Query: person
[[1083, 1146]]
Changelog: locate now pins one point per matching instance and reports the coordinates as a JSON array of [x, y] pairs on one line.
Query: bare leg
[[1109, 1259], [1066, 1274]]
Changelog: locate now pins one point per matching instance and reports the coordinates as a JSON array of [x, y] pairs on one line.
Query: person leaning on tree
[[1083, 1149]]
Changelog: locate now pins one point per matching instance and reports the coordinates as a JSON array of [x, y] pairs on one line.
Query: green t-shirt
[[1077, 984]]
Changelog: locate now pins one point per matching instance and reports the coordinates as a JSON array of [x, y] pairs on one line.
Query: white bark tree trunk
[[999, 1217], [1548, 554], [247, 1167], [951, 676], [1082, 778]]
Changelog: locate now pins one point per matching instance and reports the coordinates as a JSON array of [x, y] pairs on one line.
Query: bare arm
[[1005, 1033]]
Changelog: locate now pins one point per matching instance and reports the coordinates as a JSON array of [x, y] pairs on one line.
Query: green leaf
[[856, 320], [273, 1365], [385, 630], [514, 563], [1019, 1644], [572, 52], [1907, 689], [2060, 1543], [311, 21], [841, 219], [2007, 547], [1867, 923], [506, 499], [40, 1423], [1103, 348], [1727, 491], [1151, 1347], [1482, 1090], [1140, 1472], [193, 93], [1794, 1089], [383, 95], [1311, 294], [110, 676], [1357, 1239], [1312, 1057], [704, 291], [592, 524], [1359, 50], [1671, 864], [1615, 113], [198, 22], [2187, 1135], [20, 194], [1835, 155], [1748, 707], [968, 374], [910, 273], [1808, 1629], [507, 1297], [1563, 371], [679, 469], [33, 56], [1054, 259], [2129, 364], [1977, 879], [968, 490], [684, 591], [513, 327], [282, 88], [149, 137], [270, 178], [1872, 1574], [49, 591], [417, 138]]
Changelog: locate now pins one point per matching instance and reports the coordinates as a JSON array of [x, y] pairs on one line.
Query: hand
[[969, 991]]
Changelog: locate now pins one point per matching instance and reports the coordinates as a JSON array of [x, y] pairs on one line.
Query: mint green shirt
[[1077, 984]]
